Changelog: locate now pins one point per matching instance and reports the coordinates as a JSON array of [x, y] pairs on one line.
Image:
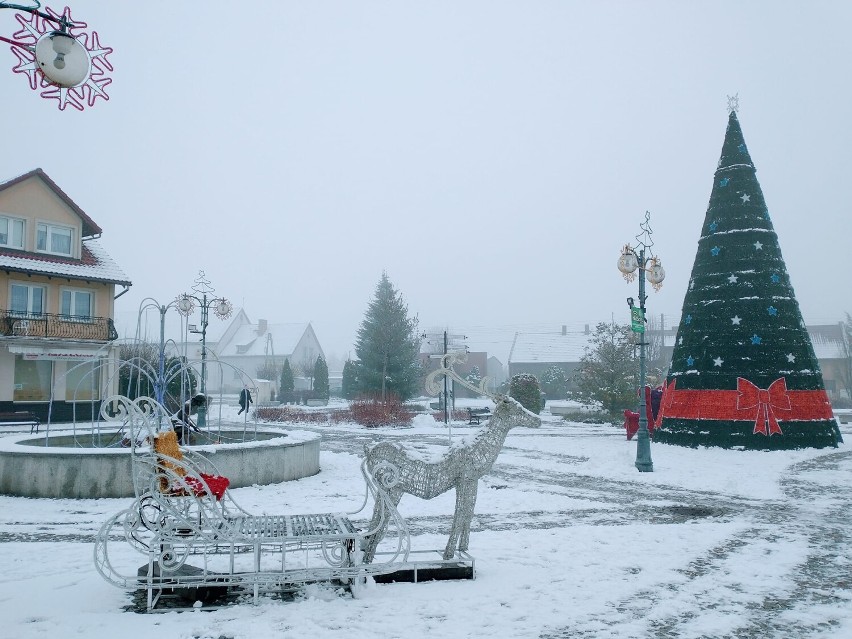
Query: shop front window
[[32, 379]]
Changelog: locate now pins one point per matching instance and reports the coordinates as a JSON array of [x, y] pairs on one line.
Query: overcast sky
[[492, 157]]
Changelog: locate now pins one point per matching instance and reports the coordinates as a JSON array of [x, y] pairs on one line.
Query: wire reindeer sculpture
[[460, 467]]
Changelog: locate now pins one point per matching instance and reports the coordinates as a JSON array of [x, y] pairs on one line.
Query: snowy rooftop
[[95, 264], [248, 341], [548, 347]]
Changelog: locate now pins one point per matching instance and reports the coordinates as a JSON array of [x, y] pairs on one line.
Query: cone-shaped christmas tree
[[743, 373]]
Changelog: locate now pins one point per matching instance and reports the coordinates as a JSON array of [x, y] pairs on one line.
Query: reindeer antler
[[446, 369]]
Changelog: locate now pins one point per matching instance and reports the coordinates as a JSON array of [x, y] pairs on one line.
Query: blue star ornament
[[690, 361], [724, 181], [772, 311], [715, 251], [755, 339], [775, 278], [713, 226], [687, 319], [742, 148]]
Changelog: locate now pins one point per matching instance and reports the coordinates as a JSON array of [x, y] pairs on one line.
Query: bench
[[21, 418], [476, 415]]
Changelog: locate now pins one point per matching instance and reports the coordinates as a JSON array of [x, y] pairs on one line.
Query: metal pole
[[160, 384], [446, 398], [643, 441], [202, 410]]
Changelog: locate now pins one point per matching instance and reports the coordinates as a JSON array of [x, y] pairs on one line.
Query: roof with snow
[[94, 265], [828, 341], [548, 348], [250, 341]]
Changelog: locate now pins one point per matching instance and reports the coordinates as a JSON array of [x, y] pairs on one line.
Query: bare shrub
[[371, 411]]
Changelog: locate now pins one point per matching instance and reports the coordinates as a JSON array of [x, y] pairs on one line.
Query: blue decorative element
[[772, 311], [755, 339], [713, 226], [766, 214], [690, 361], [742, 148], [715, 251], [724, 181], [687, 319], [775, 278]]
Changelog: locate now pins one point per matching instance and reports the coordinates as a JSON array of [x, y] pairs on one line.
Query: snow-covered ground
[[569, 540]]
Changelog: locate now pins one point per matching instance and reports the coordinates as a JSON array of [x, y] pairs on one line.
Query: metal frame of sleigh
[[197, 539]]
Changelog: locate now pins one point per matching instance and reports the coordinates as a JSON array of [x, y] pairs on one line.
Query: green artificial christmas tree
[[743, 372]]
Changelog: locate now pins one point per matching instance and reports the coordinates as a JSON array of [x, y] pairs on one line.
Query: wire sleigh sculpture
[[459, 467], [193, 534]]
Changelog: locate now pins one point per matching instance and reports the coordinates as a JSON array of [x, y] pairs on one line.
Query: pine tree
[[553, 382], [473, 376], [387, 345], [743, 371], [607, 371], [321, 379], [349, 383], [287, 384]]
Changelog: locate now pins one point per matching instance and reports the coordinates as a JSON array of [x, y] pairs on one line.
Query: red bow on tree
[[766, 401]]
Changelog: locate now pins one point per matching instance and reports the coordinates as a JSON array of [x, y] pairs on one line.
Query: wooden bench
[[476, 415], [21, 418]]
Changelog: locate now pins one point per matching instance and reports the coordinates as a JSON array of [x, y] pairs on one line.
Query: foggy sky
[[492, 157]]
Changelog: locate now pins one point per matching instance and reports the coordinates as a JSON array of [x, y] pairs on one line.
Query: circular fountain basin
[[75, 467]]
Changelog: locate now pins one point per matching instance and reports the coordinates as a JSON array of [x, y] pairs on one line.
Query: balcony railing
[[14, 324]]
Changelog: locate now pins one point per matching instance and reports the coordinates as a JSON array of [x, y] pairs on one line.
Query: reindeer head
[[511, 412]]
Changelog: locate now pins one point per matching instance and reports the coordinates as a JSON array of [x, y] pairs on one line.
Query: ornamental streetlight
[[58, 55], [632, 259], [222, 308]]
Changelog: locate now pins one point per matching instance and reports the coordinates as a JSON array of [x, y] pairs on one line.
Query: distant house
[[57, 301], [534, 353], [251, 347], [834, 353]]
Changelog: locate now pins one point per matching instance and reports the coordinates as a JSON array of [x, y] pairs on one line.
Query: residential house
[[57, 296], [534, 353], [252, 347], [834, 353]]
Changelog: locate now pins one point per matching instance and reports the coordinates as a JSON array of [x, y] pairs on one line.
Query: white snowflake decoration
[[93, 87]]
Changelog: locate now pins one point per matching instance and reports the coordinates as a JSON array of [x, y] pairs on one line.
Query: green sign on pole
[[637, 320]]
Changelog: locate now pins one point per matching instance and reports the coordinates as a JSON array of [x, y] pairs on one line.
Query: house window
[[26, 299], [11, 232], [53, 239], [32, 379], [82, 382], [76, 304]]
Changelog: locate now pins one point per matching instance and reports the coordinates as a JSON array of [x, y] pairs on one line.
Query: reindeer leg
[[379, 524], [464, 538], [463, 503]]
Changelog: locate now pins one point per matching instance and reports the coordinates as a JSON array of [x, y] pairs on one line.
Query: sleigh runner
[[194, 535]]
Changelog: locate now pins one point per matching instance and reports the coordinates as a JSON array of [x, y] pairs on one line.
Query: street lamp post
[[222, 308], [634, 258]]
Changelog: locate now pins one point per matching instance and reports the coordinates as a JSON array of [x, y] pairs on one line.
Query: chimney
[[261, 326], [564, 329]]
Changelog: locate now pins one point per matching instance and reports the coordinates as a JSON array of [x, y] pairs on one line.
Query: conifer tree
[[743, 372], [388, 346], [607, 371], [288, 384], [349, 383], [321, 378]]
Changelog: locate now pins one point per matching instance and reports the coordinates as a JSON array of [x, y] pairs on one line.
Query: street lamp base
[[645, 467]]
